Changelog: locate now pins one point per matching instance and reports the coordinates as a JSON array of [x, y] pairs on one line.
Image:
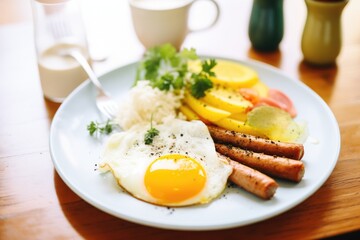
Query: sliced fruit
[[228, 73], [189, 114], [226, 99], [204, 109], [235, 75], [239, 116], [238, 126], [250, 94], [275, 123], [261, 89]]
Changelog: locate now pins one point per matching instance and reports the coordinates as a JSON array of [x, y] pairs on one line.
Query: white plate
[[75, 154]]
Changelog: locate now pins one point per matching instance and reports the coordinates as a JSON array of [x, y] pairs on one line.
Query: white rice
[[144, 103]]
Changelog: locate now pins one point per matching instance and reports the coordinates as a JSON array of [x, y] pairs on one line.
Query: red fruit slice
[[283, 100]]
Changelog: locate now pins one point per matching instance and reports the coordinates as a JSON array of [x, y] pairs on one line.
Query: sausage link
[[251, 180], [257, 144], [272, 165]]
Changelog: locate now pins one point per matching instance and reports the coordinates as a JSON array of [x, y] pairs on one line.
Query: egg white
[[128, 157]]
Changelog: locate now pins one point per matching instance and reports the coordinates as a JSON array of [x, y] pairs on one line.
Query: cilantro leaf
[[200, 81], [152, 66], [167, 70], [200, 86], [92, 128], [178, 83], [165, 82], [189, 54], [207, 66], [100, 128], [150, 134], [108, 128], [166, 51]]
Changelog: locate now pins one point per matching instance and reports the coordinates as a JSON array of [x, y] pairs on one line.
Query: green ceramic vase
[[266, 26], [321, 39]]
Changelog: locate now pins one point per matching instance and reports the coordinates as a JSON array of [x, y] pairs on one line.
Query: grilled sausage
[[251, 180], [257, 144], [271, 165]]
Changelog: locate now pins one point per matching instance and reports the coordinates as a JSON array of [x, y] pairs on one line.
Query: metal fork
[[61, 29], [104, 102]]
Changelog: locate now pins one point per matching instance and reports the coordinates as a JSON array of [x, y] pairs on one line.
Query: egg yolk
[[174, 178]]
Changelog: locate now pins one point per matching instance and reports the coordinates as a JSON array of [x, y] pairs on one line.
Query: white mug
[[164, 21]]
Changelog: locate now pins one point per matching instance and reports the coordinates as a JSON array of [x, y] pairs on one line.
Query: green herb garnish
[[101, 128], [207, 66], [151, 133], [167, 69]]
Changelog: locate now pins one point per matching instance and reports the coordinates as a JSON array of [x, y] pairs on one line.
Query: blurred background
[[111, 34]]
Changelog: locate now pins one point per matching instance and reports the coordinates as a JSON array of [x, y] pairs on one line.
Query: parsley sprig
[[151, 133], [167, 69], [100, 128], [201, 81]]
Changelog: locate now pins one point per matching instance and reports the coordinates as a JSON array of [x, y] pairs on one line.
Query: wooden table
[[36, 204]]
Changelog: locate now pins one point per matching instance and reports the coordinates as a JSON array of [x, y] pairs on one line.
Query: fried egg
[[179, 168]]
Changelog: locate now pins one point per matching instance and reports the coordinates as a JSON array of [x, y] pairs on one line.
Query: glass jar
[[58, 26]]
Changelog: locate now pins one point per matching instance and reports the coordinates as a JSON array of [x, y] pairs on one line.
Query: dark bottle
[[266, 27]]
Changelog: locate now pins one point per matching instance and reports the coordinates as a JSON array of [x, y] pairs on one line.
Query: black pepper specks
[[171, 210]]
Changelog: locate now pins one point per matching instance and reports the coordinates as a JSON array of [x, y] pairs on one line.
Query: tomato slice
[[270, 102], [250, 95], [283, 100], [278, 99]]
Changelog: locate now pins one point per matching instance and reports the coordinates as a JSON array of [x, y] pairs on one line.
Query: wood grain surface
[[36, 204]]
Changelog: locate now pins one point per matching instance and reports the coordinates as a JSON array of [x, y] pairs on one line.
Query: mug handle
[[215, 4]]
